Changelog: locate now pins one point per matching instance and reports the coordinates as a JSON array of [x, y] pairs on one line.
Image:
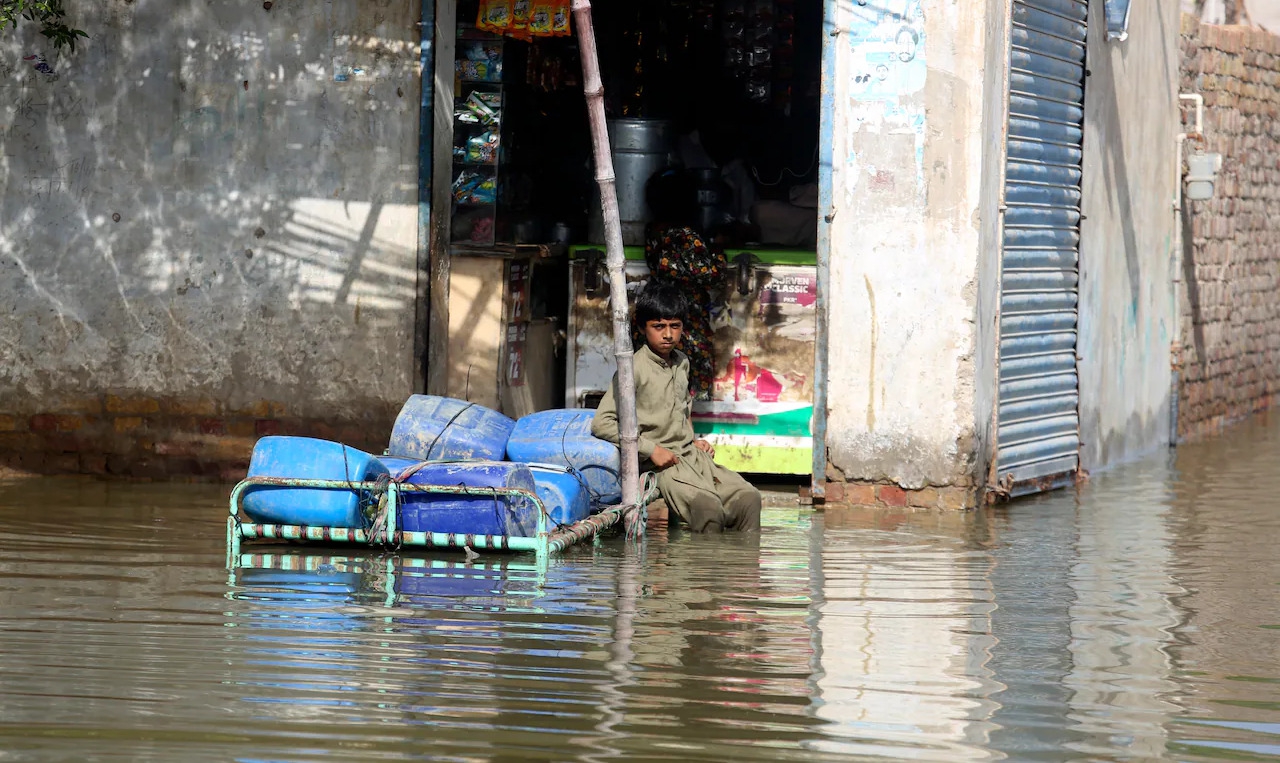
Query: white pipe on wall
[[1176, 349]]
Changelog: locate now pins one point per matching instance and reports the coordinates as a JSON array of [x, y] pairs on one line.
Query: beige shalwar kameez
[[705, 495]]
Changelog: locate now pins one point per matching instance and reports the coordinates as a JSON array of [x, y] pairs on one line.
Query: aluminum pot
[[641, 148]]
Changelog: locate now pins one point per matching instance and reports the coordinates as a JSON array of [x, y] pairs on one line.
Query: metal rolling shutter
[[1039, 425]]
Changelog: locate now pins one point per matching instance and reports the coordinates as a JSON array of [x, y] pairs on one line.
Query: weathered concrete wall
[[907, 171], [204, 236], [1229, 312], [1128, 236]]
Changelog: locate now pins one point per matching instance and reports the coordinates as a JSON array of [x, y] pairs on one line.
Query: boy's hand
[[663, 458], [705, 447]]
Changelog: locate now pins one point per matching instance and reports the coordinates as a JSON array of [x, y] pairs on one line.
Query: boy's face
[[663, 335]]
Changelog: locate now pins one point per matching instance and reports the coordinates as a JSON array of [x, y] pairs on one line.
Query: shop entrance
[[719, 100]]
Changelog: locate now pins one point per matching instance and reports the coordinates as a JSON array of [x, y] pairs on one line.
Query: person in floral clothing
[[679, 254]]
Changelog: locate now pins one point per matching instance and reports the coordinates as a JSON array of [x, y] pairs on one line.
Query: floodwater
[[1135, 619]]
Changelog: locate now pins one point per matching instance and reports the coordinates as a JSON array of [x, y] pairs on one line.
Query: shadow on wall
[[210, 202], [208, 233]]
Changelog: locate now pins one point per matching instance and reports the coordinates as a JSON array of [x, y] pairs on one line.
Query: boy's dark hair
[[672, 196], [661, 301]]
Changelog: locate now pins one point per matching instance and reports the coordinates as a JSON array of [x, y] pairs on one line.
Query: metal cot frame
[[544, 543]]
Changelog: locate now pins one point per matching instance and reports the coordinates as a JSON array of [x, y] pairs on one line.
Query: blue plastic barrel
[[397, 464], [479, 513], [283, 600], [564, 494], [448, 581], [431, 428], [563, 437], [308, 458], [313, 592]]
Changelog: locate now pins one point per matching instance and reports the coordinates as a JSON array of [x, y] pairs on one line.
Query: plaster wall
[[907, 171], [1128, 237], [212, 207]]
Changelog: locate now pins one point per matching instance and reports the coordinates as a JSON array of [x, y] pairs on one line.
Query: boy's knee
[[706, 514], [744, 510]]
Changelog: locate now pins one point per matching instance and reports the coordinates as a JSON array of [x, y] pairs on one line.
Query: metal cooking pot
[[641, 148]]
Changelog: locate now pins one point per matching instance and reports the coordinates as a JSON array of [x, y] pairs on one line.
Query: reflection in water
[[1123, 616], [1226, 649], [1137, 619], [310, 619], [1032, 546], [905, 637]]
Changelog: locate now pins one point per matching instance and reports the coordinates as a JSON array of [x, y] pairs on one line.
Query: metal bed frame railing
[[545, 542]]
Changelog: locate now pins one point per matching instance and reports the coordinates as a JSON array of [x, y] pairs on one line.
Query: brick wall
[[884, 495], [1229, 336], [150, 438]]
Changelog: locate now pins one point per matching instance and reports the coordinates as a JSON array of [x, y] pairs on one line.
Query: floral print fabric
[[680, 255]]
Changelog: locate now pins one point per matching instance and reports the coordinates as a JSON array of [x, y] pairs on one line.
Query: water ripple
[[1135, 619]]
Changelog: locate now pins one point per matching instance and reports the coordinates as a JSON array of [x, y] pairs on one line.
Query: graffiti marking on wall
[[38, 63], [63, 110], [29, 110], [71, 179]]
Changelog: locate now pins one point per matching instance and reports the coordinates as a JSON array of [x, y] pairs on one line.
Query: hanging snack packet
[[482, 16], [561, 13], [540, 19], [497, 15], [520, 11]]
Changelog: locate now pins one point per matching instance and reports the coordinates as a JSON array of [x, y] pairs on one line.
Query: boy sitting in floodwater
[[706, 496]]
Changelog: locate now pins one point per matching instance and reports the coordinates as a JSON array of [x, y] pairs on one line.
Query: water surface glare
[[1135, 619]]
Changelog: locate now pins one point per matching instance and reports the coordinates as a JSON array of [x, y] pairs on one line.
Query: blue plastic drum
[[562, 437], [431, 428], [479, 513], [563, 494], [308, 458], [396, 464]]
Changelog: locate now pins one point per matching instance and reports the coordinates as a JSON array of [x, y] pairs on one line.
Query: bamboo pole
[[622, 348]]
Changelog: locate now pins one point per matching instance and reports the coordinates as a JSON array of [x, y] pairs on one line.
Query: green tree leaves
[[49, 14]]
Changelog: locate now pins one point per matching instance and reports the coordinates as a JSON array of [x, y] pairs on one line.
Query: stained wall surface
[[1128, 237], [907, 170], [208, 231]]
